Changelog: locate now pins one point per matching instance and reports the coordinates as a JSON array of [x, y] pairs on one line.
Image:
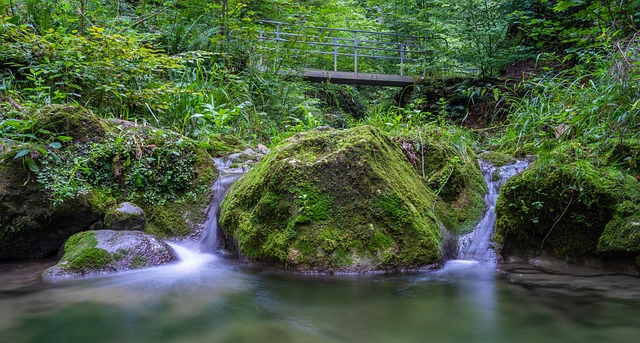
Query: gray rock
[[126, 216], [109, 251]]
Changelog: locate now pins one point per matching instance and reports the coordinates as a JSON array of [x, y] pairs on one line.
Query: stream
[[207, 297]]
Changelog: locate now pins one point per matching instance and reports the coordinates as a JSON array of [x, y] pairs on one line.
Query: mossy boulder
[[219, 145], [625, 155], [560, 207], [126, 216], [330, 200], [108, 251], [30, 225], [621, 236]]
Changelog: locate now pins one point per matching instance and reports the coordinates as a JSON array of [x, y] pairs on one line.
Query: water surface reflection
[[222, 301]]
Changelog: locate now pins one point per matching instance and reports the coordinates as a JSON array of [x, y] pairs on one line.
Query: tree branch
[[154, 14]]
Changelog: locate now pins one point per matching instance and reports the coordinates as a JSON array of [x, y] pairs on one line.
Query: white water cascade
[[475, 246], [227, 177], [197, 253]]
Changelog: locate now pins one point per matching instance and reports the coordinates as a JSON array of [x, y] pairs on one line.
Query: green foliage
[[111, 73], [576, 26]]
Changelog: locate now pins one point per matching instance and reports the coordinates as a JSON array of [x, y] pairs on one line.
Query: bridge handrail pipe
[[319, 39], [319, 52], [341, 39], [403, 49], [351, 55], [393, 34], [365, 47]]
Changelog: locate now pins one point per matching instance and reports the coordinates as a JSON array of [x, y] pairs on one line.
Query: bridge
[[344, 56]]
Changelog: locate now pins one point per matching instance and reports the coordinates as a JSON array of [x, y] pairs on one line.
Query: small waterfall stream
[[192, 254], [475, 246], [227, 177]]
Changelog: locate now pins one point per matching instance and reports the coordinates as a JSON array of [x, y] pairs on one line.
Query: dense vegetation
[[548, 78]]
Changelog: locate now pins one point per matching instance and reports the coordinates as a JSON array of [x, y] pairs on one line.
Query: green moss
[[497, 158], [334, 200], [561, 208], [139, 262], [219, 145], [80, 253], [101, 199], [621, 236], [69, 120], [170, 178], [451, 170], [625, 155]]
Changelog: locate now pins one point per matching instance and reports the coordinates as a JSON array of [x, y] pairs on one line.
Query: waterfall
[[226, 178], [475, 246]]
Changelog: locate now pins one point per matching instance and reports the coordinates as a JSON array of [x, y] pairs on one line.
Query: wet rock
[[126, 216], [333, 201], [109, 251]]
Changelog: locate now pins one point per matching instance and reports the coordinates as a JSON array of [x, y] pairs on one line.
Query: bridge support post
[[355, 52], [401, 59], [335, 54]]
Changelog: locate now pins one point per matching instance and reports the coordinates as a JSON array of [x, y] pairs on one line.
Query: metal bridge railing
[[399, 49]]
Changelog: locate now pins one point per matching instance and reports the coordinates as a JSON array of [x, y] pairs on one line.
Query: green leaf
[[563, 5], [32, 165], [21, 153], [55, 145], [65, 138]]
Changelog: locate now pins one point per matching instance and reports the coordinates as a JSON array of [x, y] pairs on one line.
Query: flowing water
[[208, 298], [227, 177], [475, 245]]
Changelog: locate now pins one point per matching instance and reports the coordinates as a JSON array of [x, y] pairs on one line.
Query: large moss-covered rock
[[561, 207], [621, 236], [30, 225], [625, 155], [108, 251], [328, 200]]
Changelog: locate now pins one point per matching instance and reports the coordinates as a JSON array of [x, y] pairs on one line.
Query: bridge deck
[[358, 78]]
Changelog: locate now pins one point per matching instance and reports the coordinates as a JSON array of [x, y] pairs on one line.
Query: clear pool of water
[[211, 299]]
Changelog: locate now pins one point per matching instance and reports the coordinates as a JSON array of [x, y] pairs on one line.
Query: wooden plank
[[358, 78]]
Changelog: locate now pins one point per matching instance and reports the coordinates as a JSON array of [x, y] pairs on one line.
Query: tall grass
[[593, 103]]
